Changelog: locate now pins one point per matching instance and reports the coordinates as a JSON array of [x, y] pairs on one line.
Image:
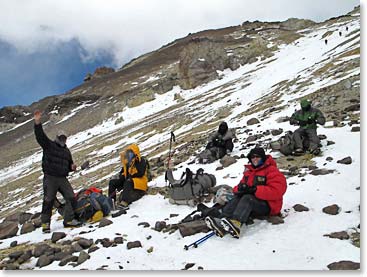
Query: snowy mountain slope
[[268, 89]]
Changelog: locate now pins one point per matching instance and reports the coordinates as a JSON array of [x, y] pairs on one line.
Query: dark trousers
[[52, 185], [128, 194], [240, 208], [300, 134]]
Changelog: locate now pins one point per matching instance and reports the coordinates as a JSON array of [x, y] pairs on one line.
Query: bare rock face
[[199, 62]]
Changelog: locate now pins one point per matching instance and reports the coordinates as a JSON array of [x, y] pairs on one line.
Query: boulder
[[133, 244], [227, 161], [300, 208], [332, 209], [27, 228], [57, 236], [346, 160], [344, 265], [193, 227], [253, 121], [8, 229]]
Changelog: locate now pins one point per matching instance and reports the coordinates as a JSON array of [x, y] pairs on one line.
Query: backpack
[[91, 200], [149, 172], [286, 143], [191, 189]]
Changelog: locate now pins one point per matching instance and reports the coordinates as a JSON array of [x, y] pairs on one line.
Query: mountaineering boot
[[232, 226], [214, 224], [73, 223], [316, 151], [298, 152], [46, 228], [122, 205], [98, 215]]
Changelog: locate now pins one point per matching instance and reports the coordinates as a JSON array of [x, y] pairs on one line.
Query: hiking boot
[[122, 205], [214, 224], [298, 152], [316, 151], [46, 229], [232, 226], [73, 223], [98, 215]]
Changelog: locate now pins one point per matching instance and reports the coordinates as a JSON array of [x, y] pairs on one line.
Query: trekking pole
[[199, 241]]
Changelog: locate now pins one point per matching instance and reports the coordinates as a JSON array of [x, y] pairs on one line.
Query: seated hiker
[[307, 118], [133, 180], [220, 143], [259, 193]]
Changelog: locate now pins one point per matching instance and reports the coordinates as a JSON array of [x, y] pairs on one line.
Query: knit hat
[[223, 128], [257, 151], [305, 103]]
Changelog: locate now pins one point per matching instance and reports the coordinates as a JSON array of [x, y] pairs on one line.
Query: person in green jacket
[[307, 118]]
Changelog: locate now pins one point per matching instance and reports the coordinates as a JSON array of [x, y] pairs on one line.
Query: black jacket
[[56, 160]]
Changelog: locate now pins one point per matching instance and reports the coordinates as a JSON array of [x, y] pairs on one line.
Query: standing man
[[307, 118], [56, 165]]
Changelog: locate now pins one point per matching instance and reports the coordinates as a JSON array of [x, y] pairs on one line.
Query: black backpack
[[191, 188]]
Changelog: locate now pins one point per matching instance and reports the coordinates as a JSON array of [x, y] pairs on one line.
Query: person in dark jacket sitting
[[57, 162], [219, 144], [260, 192], [133, 180]]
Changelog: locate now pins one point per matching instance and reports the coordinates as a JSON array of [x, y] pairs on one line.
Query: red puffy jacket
[[270, 182]]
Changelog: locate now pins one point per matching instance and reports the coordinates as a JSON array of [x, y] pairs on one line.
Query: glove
[[302, 123], [243, 189], [310, 120]]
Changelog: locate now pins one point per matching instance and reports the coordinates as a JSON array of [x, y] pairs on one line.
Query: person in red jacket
[[259, 193]]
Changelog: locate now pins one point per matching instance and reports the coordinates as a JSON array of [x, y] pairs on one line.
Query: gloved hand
[[310, 120], [245, 189], [302, 123]]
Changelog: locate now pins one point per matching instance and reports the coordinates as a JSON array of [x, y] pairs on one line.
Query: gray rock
[[251, 138], [15, 255], [27, 228], [106, 242], [275, 220], [83, 256], [8, 229], [344, 265], [189, 265], [44, 261], [193, 227], [321, 171], [57, 236], [13, 217], [352, 108], [275, 145], [104, 222], [329, 142], [68, 259], [343, 235], [36, 222], [118, 240], [76, 247], [160, 225], [40, 249], [276, 132], [24, 217], [60, 256], [25, 257], [332, 209], [13, 243], [329, 159], [252, 121], [85, 243], [227, 161], [133, 244], [346, 160], [144, 224], [300, 208], [93, 248], [356, 129]]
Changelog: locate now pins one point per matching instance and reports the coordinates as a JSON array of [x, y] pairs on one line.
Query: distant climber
[[219, 144], [340, 34], [346, 28], [305, 137], [259, 193], [132, 180], [325, 41], [57, 162]]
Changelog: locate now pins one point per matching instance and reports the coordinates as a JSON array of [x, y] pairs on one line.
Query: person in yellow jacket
[[133, 180]]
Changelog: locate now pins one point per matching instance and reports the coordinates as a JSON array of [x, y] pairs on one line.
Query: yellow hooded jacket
[[140, 182]]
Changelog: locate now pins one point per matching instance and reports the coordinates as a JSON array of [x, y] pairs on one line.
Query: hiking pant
[[309, 134], [128, 194], [52, 185], [240, 208]]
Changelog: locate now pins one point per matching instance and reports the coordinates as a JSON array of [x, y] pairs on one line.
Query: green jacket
[[308, 119]]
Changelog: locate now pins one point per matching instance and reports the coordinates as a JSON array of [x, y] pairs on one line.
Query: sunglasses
[[255, 156]]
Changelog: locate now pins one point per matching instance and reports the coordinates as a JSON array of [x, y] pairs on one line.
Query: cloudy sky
[[47, 47]]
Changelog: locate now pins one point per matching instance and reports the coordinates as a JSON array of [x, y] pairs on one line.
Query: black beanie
[[223, 128], [257, 151]]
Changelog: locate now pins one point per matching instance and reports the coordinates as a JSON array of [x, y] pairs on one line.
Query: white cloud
[[131, 28]]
